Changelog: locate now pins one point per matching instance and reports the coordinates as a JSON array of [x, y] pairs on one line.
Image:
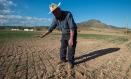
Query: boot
[[70, 66], [62, 61]]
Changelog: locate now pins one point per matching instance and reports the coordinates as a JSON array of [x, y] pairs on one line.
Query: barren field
[[97, 57]]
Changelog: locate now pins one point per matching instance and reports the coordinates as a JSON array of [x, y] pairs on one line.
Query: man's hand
[[42, 36], [45, 34], [70, 42]]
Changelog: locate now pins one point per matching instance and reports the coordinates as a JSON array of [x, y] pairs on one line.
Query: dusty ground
[[37, 58]]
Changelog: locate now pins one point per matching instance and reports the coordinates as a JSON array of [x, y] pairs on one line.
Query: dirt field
[[36, 58]]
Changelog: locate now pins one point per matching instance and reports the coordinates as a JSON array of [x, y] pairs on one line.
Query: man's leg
[[71, 53], [63, 50]]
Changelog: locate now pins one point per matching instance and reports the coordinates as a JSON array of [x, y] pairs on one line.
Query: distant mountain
[[93, 23]]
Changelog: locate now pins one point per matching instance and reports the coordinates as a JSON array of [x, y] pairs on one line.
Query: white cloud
[[6, 12], [18, 17], [5, 7], [7, 17], [20, 20]]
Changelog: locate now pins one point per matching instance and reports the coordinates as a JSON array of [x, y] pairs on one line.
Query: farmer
[[64, 20]]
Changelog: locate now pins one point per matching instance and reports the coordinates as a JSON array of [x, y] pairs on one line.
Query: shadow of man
[[95, 54]]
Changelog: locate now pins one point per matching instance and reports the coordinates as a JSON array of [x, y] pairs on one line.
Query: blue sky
[[111, 12]]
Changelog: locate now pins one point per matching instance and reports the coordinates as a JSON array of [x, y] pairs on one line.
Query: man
[[64, 20]]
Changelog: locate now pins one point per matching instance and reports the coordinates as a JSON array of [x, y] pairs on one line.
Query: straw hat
[[53, 6]]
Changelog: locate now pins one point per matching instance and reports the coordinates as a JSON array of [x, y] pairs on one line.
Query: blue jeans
[[66, 49]]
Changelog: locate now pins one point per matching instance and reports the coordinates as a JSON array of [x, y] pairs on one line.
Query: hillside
[[93, 23], [96, 26]]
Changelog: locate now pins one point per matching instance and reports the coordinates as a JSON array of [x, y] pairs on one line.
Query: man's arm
[[51, 28], [72, 26]]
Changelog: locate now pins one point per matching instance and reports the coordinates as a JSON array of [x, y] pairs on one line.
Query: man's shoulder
[[66, 12]]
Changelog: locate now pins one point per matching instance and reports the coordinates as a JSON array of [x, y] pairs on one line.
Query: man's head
[[55, 9]]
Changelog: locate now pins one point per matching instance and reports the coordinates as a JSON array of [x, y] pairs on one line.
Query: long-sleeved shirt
[[65, 24]]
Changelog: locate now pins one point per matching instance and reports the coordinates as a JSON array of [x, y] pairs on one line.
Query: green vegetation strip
[[109, 38], [6, 35], [95, 36]]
